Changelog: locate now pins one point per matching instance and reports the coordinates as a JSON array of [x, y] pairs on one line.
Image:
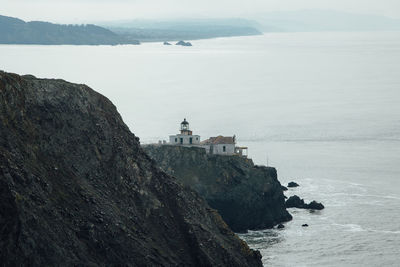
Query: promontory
[[77, 189]]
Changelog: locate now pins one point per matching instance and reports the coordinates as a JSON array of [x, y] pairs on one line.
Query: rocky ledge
[[76, 189], [246, 195]]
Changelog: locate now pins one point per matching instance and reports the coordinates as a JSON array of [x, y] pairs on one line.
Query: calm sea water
[[324, 108]]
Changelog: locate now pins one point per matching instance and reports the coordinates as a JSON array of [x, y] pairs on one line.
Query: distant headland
[[17, 31]]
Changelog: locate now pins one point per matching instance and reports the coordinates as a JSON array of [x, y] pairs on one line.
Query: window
[[176, 140], [181, 140], [197, 138], [224, 148], [190, 140]]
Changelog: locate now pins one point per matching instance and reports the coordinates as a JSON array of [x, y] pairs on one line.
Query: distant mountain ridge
[[16, 31], [183, 29]]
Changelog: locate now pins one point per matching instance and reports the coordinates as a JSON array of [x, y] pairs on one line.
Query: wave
[[365, 195], [358, 228], [322, 139], [351, 227]]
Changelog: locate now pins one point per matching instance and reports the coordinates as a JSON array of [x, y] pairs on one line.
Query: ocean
[[323, 108]]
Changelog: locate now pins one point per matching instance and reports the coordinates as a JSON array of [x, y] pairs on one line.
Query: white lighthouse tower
[[186, 137]]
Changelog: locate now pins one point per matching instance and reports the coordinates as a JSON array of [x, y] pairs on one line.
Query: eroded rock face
[[247, 196], [77, 189]]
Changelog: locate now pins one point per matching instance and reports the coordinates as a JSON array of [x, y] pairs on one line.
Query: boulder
[[167, 43], [315, 205], [284, 188], [292, 184], [304, 225], [280, 226], [297, 202]]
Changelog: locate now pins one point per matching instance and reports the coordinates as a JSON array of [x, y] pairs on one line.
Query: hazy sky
[[75, 11]]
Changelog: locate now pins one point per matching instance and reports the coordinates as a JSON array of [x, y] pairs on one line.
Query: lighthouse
[[185, 137], [185, 127]]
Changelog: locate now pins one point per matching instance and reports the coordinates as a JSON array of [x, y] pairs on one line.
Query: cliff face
[[247, 196], [77, 189]]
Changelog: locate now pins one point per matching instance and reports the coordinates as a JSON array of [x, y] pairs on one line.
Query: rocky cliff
[[76, 189], [247, 196]]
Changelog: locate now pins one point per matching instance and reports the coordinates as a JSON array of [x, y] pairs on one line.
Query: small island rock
[[297, 202], [183, 43], [166, 43], [315, 205], [280, 226], [292, 184]]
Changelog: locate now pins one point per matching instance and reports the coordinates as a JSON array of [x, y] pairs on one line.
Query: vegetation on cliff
[[76, 189], [246, 195], [16, 31]]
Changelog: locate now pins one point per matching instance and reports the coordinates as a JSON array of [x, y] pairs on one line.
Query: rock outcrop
[[247, 196], [292, 184], [314, 205], [76, 189], [297, 202], [183, 43]]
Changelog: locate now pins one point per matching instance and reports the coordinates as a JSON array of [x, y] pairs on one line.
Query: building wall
[[218, 149], [176, 139]]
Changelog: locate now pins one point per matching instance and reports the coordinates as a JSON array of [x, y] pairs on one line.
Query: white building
[[220, 145], [186, 136], [223, 145]]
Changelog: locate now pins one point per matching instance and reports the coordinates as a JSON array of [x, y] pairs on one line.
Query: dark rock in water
[[284, 188], [247, 196], [297, 202], [315, 205], [183, 43], [292, 184], [76, 189], [285, 196], [166, 43], [280, 226], [304, 225]]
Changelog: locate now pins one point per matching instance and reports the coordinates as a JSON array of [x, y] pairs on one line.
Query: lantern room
[[185, 127]]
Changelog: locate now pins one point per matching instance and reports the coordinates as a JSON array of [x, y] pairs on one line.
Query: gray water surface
[[324, 108]]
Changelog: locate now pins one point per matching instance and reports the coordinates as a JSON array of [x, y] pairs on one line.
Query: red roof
[[219, 140]]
